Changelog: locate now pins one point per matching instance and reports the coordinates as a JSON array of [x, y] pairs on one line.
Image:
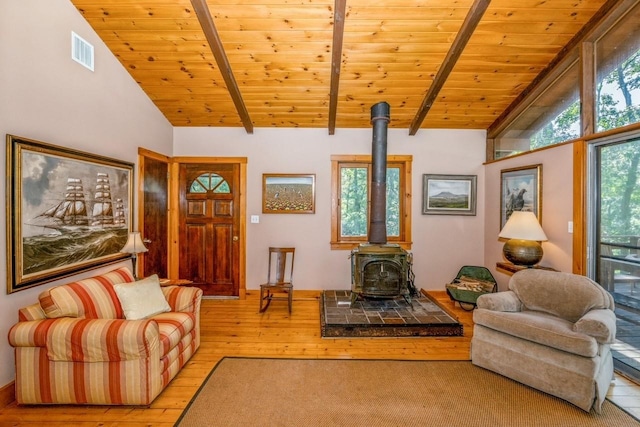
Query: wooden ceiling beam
[[206, 22], [336, 61], [462, 38]]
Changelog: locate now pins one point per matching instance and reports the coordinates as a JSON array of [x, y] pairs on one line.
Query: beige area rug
[[302, 392]]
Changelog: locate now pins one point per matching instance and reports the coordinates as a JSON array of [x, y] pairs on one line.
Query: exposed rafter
[[336, 61], [468, 27], [206, 22]]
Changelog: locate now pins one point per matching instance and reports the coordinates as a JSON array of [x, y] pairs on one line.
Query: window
[[618, 74], [550, 111], [209, 182], [554, 117], [351, 200]]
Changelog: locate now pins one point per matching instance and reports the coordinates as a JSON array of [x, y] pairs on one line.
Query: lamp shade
[[134, 244], [523, 226]]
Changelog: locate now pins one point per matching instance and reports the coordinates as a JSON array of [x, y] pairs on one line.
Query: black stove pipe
[[378, 216]]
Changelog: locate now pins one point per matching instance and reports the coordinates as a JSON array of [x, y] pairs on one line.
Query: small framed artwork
[[449, 194], [521, 190], [67, 211], [288, 193]]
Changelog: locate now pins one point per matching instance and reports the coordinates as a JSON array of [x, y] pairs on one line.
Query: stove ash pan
[[379, 271]]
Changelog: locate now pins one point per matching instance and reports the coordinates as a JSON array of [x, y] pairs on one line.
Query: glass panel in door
[[616, 227]]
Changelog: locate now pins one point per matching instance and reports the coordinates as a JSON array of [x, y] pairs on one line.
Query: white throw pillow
[[142, 299]]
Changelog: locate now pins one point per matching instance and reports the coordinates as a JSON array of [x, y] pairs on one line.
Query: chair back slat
[[281, 265]]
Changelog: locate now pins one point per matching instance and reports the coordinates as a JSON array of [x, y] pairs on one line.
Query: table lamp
[[525, 234], [134, 246]]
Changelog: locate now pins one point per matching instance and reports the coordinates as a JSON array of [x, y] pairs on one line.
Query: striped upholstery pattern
[[131, 382], [75, 347], [185, 302], [101, 340], [31, 312]]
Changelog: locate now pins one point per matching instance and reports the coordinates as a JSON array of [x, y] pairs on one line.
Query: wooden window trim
[[405, 179]]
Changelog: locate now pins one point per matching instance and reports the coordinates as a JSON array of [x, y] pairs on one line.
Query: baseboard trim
[[7, 394]]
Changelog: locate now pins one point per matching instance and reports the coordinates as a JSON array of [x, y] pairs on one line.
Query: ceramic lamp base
[[522, 252]]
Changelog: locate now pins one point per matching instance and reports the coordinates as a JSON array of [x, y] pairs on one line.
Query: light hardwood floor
[[235, 328]]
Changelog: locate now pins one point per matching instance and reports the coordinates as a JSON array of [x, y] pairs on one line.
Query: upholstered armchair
[[551, 331]]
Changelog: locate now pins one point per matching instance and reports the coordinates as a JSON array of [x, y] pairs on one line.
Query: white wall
[[557, 208], [48, 97], [441, 243]]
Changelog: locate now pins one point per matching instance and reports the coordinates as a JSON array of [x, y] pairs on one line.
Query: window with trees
[[618, 74], [552, 118], [351, 176], [551, 111]]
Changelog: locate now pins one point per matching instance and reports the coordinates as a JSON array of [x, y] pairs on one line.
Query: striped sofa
[[75, 347]]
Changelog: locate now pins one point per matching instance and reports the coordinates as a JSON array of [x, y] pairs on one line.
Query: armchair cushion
[[541, 328], [142, 299], [565, 295]]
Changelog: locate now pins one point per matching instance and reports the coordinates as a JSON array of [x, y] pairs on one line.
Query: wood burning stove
[[379, 269]]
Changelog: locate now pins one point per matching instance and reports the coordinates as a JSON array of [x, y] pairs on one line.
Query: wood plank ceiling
[[324, 63]]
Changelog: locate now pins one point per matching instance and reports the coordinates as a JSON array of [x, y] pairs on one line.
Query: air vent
[[81, 51]]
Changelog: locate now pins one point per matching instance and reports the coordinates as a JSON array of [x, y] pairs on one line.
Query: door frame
[[174, 213]]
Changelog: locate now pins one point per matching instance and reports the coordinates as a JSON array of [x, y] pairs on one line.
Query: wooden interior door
[[153, 219], [209, 227]]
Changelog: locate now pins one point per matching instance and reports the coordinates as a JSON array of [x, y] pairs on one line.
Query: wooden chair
[[279, 278], [619, 272]]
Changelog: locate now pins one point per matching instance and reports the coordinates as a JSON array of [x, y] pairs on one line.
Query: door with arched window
[[209, 220]]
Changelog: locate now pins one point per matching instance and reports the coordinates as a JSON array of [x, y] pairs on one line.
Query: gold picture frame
[[289, 193], [68, 211]]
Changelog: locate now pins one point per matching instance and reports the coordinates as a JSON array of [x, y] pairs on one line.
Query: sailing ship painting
[[73, 212]]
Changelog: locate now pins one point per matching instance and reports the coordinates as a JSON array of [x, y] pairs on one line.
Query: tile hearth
[[389, 317]]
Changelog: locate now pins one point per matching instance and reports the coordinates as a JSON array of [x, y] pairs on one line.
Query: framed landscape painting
[[67, 211], [449, 194], [521, 190], [288, 193]]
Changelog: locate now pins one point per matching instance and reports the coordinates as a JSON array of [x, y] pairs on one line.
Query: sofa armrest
[[598, 323], [89, 340], [31, 312], [30, 334], [185, 299], [500, 301]]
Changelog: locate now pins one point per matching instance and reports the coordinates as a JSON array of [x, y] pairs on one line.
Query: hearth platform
[[389, 317]]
